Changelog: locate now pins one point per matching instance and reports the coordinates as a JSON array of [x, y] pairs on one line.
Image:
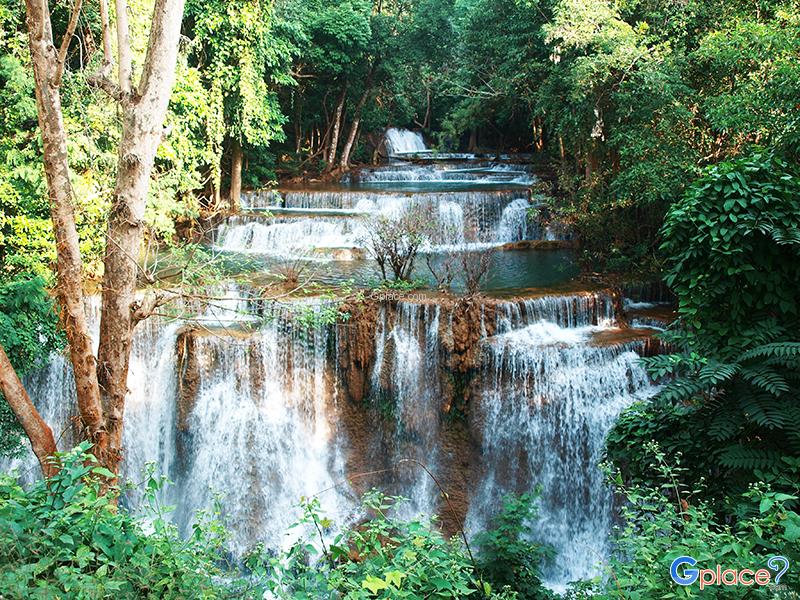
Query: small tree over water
[[395, 243]]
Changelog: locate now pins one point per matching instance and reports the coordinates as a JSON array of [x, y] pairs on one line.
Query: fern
[[715, 373], [784, 350], [740, 457], [766, 379], [664, 364], [764, 410], [725, 424], [681, 390]]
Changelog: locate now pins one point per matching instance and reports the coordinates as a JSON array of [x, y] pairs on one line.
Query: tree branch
[[62, 51], [106, 28], [38, 432], [102, 82], [124, 47]]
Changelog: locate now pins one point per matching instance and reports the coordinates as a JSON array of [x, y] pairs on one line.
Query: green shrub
[[383, 557], [507, 557], [64, 538], [665, 519]]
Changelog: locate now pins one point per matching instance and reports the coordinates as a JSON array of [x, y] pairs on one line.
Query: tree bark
[[101, 385], [351, 138], [236, 175], [38, 432], [69, 264], [337, 126], [143, 119]]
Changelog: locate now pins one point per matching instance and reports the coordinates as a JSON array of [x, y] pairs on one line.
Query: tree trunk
[[101, 385], [236, 176], [39, 433], [351, 138], [338, 117], [69, 265], [142, 129], [473, 140], [538, 134]]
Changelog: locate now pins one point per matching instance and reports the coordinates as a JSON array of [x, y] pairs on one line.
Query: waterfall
[[513, 224], [288, 236], [568, 311], [549, 398], [52, 389], [488, 174], [260, 430], [407, 375], [149, 410], [403, 141], [490, 217]]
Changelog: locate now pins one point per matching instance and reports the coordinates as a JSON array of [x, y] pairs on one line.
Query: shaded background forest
[[623, 103]]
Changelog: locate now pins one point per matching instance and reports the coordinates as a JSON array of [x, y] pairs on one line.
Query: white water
[[490, 174], [549, 399], [406, 374], [260, 431], [459, 219], [403, 141]]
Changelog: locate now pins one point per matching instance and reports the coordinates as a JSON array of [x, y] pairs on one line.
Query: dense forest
[[656, 142]]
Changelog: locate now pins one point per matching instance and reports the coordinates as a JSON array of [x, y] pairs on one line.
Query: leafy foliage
[[733, 248], [729, 403], [665, 520], [383, 557], [65, 538], [28, 333], [507, 557]]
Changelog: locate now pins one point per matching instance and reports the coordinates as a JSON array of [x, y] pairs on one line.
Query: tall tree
[[101, 383]]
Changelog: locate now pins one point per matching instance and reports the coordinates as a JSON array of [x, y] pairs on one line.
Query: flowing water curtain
[[548, 399]]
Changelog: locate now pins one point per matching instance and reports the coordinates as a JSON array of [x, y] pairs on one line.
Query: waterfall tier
[[403, 141]]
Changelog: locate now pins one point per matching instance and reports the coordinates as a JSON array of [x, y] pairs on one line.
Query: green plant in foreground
[[664, 520], [64, 538], [507, 557], [383, 557]]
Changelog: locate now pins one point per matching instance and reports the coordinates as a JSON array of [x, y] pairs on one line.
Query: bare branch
[[62, 51], [102, 82]]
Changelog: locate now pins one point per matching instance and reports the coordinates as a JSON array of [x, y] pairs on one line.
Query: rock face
[[356, 347], [188, 375]]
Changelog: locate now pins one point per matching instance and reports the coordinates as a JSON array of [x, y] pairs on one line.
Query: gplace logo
[[720, 576]]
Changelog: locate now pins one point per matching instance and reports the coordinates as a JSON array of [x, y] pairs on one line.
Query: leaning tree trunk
[[338, 116], [236, 175], [69, 270], [142, 129], [39, 433], [351, 138]]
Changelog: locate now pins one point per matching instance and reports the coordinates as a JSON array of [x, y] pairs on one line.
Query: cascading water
[[407, 377], [549, 398], [491, 218], [403, 141], [242, 398], [487, 174], [287, 237], [260, 430]]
